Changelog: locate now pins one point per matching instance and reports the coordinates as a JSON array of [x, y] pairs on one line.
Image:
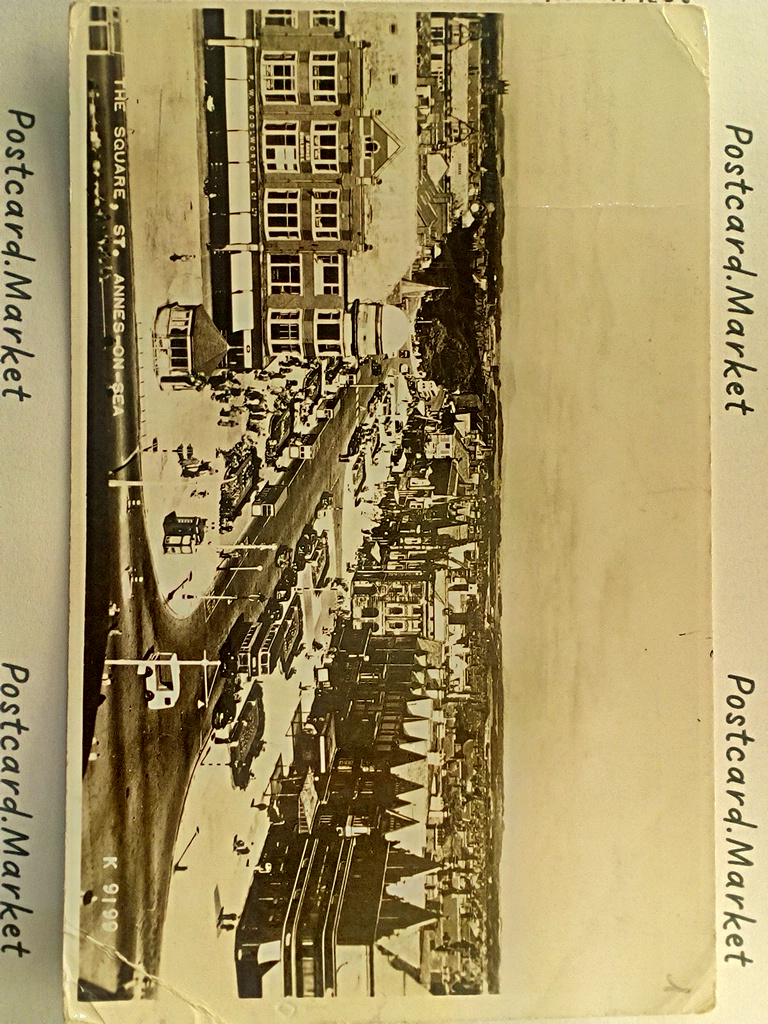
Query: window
[[325, 213], [325, 19], [280, 18], [328, 324], [393, 79], [282, 213], [328, 333], [278, 77], [283, 326], [284, 274], [281, 146], [325, 146], [327, 274], [322, 78]]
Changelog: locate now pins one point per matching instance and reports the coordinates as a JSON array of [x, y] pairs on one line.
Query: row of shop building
[[294, 146], [327, 910], [348, 896], [307, 175]]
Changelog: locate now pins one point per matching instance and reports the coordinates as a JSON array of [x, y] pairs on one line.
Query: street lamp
[[175, 590], [178, 865]]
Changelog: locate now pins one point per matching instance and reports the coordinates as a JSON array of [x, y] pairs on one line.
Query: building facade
[[296, 149], [321, 900]]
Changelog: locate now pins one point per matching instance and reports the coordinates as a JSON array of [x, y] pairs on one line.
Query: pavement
[[169, 217], [209, 873]]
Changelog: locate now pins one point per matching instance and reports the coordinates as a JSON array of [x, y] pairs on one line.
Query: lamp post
[[178, 865]]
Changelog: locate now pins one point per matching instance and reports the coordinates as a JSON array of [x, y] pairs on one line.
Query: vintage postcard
[[391, 617]]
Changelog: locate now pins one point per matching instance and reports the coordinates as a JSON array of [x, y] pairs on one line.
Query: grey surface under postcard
[[391, 615]]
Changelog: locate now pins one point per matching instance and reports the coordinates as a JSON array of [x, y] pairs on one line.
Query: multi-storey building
[[323, 900], [401, 591], [394, 602], [449, 98], [299, 150]]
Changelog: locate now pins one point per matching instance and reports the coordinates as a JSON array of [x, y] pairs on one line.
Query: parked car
[[307, 540], [162, 680], [273, 611], [285, 585], [195, 467], [225, 708], [283, 556]]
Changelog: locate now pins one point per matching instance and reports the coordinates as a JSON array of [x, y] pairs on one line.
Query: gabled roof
[[396, 915], [405, 737], [437, 167], [402, 863], [400, 756], [208, 344], [392, 821], [406, 785], [394, 145]]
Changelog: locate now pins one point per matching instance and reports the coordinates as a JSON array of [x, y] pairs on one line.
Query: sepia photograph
[[291, 693], [390, 646]]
